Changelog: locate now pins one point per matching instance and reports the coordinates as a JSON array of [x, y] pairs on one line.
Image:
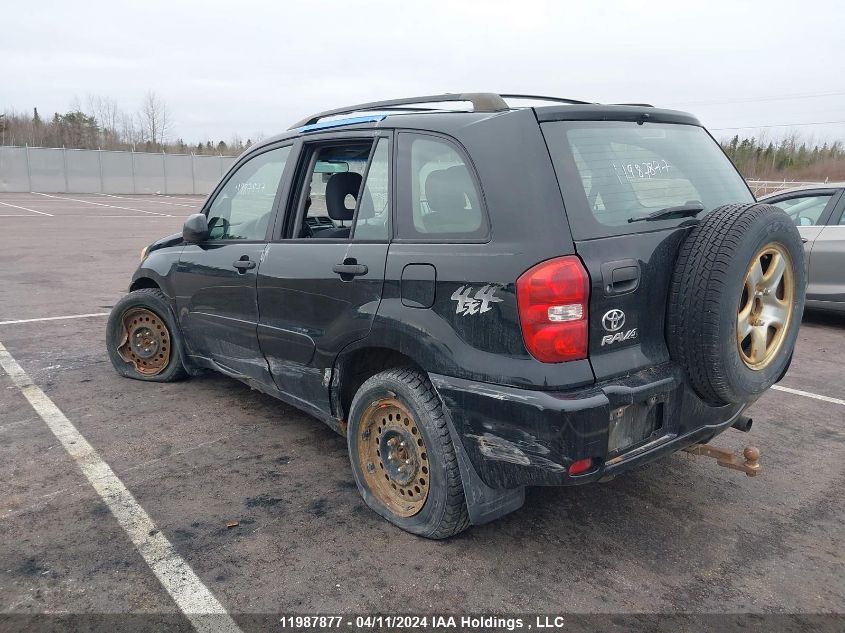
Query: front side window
[[243, 208], [439, 197], [612, 172], [805, 210], [329, 194]]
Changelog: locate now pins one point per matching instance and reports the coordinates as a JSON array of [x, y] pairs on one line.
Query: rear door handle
[[350, 270], [620, 276], [244, 264]]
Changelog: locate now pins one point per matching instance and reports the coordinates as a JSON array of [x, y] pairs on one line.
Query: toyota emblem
[[613, 320]]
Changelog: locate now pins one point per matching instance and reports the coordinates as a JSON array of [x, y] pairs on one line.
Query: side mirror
[[195, 229]]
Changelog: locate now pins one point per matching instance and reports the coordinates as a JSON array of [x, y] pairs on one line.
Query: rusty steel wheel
[[145, 342], [766, 306], [393, 457], [403, 460]]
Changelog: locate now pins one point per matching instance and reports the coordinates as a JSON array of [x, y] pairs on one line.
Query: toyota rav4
[[480, 299]]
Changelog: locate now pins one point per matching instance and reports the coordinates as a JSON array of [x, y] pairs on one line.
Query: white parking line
[[99, 204], [88, 215], [14, 206], [58, 318], [198, 196], [808, 394], [172, 204], [191, 596]]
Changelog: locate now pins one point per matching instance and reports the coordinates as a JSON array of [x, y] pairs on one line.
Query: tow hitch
[[727, 458]]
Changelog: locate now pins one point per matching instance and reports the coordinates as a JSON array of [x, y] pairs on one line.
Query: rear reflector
[[552, 298], [580, 466]]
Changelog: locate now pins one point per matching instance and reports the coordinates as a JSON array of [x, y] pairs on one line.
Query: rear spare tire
[[736, 300]]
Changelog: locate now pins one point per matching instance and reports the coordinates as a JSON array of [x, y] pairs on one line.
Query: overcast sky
[[250, 68]]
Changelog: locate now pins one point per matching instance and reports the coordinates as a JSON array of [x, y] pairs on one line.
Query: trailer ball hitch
[[750, 465]]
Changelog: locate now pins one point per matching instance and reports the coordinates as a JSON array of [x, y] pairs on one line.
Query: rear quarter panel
[[527, 225]]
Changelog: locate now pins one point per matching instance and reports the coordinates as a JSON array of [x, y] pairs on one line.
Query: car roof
[[414, 113], [804, 187]]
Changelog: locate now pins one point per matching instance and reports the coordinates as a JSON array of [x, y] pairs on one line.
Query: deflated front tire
[[142, 339]]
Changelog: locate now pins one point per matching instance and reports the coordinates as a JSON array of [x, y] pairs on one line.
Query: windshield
[[613, 171]]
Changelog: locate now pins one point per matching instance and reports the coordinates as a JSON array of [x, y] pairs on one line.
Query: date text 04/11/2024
[[435, 622]]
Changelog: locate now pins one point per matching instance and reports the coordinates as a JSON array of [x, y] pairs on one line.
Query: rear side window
[[439, 198], [611, 172]]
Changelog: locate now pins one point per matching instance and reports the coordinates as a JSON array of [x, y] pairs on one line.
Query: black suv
[[480, 300]]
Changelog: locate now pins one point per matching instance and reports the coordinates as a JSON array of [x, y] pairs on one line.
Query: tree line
[[102, 124], [790, 158]]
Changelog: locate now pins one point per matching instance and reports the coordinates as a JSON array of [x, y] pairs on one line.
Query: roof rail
[[544, 98], [481, 102]]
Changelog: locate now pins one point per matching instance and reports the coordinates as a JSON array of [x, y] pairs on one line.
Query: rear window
[[613, 171]]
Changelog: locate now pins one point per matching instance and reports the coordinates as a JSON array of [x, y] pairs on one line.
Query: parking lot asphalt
[[678, 535]]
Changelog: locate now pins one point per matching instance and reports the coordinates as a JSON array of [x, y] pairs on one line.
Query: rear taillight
[[580, 466], [552, 298]]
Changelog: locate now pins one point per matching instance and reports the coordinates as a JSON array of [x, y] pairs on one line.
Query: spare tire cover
[[736, 300]]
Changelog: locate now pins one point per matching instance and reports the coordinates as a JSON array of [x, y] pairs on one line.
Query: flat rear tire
[[402, 456]]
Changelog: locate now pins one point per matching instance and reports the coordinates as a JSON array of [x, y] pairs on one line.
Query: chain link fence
[[765, 187], [54, 170]]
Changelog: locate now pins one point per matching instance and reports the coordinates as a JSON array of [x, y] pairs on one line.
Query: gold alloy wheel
[[393, 457], [765, 309], [145, 342]]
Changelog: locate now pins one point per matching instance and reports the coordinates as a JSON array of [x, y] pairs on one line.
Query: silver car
[[819, 213]]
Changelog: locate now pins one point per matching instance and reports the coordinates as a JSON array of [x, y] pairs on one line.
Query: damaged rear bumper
[[516, 437]]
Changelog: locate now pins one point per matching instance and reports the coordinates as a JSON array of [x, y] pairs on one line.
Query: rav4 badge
[[612, 321]]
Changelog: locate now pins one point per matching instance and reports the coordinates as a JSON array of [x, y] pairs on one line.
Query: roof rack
[[481, 102], [544, 98]]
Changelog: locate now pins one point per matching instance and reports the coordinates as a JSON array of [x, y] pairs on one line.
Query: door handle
[[243, 264], [620, 276], [350, 269]]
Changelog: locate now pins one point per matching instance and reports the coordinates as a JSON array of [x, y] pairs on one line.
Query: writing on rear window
[[647, 169], [626, 170]]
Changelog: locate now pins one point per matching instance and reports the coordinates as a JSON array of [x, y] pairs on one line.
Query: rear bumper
[[518, 437]]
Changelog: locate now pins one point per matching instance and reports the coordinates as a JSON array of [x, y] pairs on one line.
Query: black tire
[[445, 512], [155, 301], [706, 292]]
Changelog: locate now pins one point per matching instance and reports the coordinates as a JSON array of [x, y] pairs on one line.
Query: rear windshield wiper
[[669, 213]]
